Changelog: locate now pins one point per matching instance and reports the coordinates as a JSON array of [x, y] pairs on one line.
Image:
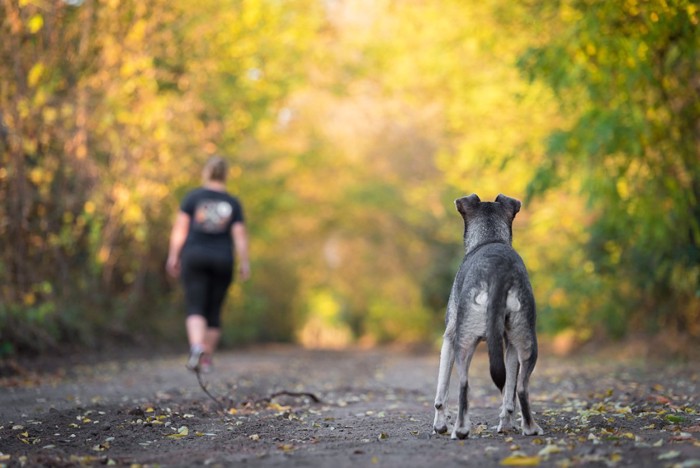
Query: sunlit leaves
[[623, 72]]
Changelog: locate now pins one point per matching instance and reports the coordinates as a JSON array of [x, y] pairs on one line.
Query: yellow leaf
[[520, 461], [549, 450], [35, 74], [232, 411], [277, 407], [149, 410], [36, 22], [181, 432]]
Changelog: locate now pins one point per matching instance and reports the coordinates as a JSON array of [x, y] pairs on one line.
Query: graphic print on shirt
[[213, 216]]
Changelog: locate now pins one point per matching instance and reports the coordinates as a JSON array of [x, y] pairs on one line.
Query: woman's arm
[[178, 235], [240, 239]]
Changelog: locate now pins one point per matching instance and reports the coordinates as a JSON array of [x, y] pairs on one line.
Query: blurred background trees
[[351, 126]]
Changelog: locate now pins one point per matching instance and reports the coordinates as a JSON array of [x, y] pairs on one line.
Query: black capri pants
[[206, 277]]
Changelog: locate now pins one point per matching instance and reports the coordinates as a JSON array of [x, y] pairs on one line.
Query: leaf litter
[[371, 408]]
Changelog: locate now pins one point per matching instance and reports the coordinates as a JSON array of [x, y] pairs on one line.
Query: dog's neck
[[469, 250]]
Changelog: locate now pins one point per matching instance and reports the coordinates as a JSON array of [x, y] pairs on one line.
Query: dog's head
[[487, 221]]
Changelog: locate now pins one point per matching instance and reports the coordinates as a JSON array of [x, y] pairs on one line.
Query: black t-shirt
[[211, 214]]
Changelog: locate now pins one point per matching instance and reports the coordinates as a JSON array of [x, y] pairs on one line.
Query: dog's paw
[[505, 423], [440, 429], [505, 427], [534, 429], [460, 434]]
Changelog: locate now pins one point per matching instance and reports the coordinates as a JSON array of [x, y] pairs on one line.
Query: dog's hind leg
[[527, 358], [508, 407], [447, 359], [463, 424]]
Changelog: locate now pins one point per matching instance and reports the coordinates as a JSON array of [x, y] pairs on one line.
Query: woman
[[207, 229]]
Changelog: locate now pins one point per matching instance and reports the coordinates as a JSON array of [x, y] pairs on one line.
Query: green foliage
[[626, 75], [351, 128]]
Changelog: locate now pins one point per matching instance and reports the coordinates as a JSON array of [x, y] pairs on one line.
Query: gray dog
[[491, 299]]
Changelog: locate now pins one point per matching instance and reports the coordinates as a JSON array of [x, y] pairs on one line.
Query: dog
[[492, 300]]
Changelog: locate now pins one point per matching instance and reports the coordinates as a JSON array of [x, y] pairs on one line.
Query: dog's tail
[[495, 313]]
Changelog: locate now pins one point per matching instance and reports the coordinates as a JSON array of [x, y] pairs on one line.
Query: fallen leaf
[[183, 431], [669, 455], [383, 435], [232, 411], [254, 437], [277, 407], [521, 461], [659, 399], [549, 450]]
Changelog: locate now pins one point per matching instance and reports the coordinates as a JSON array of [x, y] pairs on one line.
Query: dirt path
[[375, 410]]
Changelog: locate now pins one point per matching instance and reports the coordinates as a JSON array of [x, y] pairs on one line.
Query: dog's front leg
[[447, 358], [463, 424]]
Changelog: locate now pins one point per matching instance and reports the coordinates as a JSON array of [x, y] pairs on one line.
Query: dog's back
[[491, 290]]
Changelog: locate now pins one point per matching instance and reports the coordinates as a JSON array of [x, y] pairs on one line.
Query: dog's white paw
[[534, 429], [505, 422], [440, 429], [505, 426], [461, 432], [440, 421]]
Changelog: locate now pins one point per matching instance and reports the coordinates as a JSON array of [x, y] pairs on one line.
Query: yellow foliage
[[323, 327], [35, 74]]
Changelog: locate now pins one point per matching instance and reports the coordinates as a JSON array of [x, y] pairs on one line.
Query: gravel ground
[[374, 409]]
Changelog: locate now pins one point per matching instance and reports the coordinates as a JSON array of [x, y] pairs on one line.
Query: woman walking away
[[207, 239]]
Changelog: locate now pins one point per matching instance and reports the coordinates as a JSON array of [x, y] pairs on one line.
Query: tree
[[626, 74]]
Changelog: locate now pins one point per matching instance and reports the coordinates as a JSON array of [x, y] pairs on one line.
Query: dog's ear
[[466, 204], [511, 205]]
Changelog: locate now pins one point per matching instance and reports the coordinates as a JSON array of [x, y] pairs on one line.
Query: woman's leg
[[219, 282], [197, 331], [194, 279], [211, 339]]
